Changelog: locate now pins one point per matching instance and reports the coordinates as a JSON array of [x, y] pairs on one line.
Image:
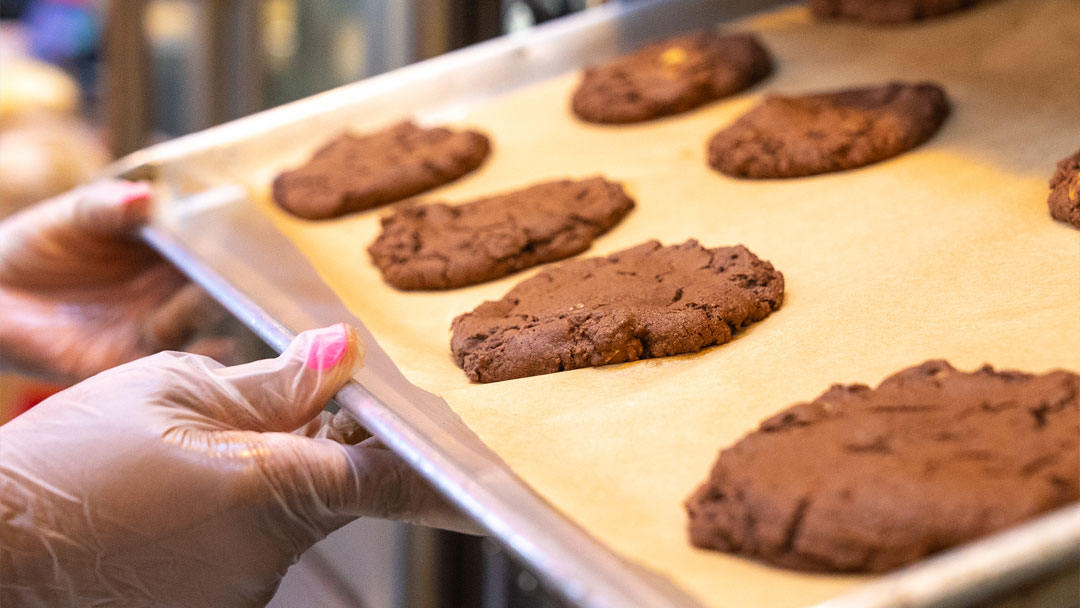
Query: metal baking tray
[[208, 227]]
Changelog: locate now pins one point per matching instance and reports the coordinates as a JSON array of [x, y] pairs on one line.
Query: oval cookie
[[866, 480], [646, 301], [813, 134], [357, 172], [670, 77], [439, 246]]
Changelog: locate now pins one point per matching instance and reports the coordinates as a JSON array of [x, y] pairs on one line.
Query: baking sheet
[[947, 251]]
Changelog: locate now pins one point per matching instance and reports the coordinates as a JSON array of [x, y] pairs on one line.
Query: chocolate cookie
[[646, 301], [440, 246], [357, 172], [885, 11], [671, 77], [797, 136], [865, 480], [1065, 191]]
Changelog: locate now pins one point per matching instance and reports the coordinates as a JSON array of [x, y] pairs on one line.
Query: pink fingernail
[[122, 194], [328, 348]]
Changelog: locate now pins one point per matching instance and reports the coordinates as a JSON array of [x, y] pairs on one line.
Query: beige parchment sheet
[[947, 251]]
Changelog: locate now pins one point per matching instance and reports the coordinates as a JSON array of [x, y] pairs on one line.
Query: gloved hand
[[79, 295], [174, 481]]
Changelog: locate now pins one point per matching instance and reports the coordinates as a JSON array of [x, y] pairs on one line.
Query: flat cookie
[[885, 11], [357, 172], [642, 302], [1065, 191], [866, 480], [671, 77], [798, 136], [440, 246]]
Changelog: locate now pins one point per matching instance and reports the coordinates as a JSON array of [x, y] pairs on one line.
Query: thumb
[[283, 394]]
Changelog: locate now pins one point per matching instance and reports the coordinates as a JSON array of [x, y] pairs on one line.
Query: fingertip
[[336, 346], [125, 194], [116, 205]]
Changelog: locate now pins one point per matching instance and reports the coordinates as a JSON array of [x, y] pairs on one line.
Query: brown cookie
[[357, 172], [1065, 191], [798, 136], [671, 77], [865, 480], [646, 301], [440, 246], [885, 11]]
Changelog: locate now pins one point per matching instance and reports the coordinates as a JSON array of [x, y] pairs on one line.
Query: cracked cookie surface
[[670, 77], [822, 133], [866, 480], [439, 246], [358, 172], [885, 11], [646, 301], [1065, 191]]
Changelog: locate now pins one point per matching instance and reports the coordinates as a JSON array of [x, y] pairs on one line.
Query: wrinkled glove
[[175, 481], [80, 295]]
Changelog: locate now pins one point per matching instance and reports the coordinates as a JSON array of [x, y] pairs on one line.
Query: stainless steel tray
[[211, 231]]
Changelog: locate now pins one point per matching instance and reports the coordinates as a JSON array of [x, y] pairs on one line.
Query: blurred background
[[151, 69], [85, 81]]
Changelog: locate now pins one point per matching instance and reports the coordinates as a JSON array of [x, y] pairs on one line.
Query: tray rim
[[971, 572]]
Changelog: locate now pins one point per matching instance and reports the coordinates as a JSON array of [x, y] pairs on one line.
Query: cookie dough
[[885, 11], [671, 77], [1065, 191], [357, 172], [646, 301], [866, 480], [799, 136], [440, 246]]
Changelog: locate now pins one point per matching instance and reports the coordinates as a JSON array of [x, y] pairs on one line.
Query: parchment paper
[[947, 251]]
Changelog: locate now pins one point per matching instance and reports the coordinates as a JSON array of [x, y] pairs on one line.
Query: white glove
[[80, 295], [175, 481]]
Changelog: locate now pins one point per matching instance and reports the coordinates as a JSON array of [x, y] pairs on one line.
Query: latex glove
[[171, 481], [79, 295]]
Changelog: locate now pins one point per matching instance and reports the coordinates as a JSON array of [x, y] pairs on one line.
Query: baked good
[[669, 77], [438, 246], [646, 301], [865, 480], [357, 172], [885, 11], [798, 136], [1065, 191]]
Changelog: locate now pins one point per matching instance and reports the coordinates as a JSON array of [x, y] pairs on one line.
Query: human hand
[[80, 295], [174, 481]]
